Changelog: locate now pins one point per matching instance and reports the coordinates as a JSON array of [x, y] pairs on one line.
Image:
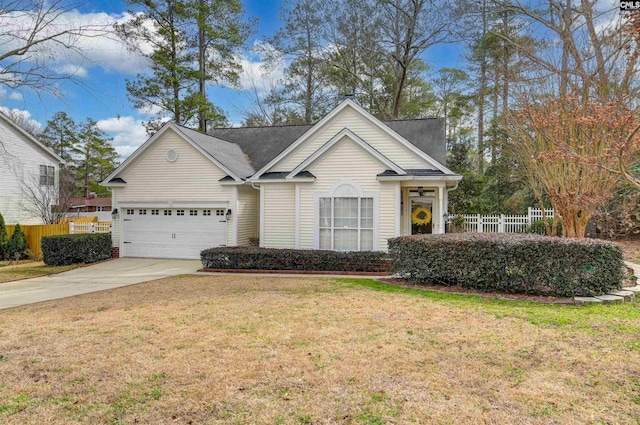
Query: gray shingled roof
[[427, 134], [228, 154], [262, 144]]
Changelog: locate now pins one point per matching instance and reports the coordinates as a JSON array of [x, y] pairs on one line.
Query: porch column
[[440, 211]]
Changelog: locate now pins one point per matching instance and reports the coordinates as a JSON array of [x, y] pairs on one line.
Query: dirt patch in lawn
[[25, 270], [273, 350]]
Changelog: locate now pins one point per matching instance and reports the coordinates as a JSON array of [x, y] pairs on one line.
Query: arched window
[[346, 218]]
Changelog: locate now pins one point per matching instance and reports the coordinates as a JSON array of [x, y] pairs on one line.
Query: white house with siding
[[347, 182], [29, 172]]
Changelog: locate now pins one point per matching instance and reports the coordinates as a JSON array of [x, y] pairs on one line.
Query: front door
[[421, 215]]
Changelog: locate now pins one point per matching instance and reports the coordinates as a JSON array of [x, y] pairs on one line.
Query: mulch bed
[[312, 272]]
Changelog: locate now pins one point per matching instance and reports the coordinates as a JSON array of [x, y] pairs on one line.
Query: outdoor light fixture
[[228, 214], [445, 217], [420, 191], [114, 213]]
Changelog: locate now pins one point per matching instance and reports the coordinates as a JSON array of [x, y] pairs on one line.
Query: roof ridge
[[263, 126]]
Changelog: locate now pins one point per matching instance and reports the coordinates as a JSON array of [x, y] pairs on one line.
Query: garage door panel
[[172, 236]]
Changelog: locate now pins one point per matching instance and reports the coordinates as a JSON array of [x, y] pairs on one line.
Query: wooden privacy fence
[[34, 234], [501, 223]]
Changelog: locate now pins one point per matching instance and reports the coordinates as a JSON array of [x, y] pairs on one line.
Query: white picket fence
[[501, 223], [99, 227]]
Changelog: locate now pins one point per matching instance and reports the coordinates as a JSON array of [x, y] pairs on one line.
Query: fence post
[[501, 224], [71, 230], [529, 216], [480, 229], [92, 228]]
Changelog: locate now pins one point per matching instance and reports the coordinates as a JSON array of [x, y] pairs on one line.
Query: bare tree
[[23, 120], [49, 202], [32, 34], [410, 27]]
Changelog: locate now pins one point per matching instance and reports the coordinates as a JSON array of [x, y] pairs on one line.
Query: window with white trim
[[142, 212], [346, 223], [167, 212], [206, 212], [180, 212], [193, 212], [155, 212], [47, 175], [129, 212], [101, 209]]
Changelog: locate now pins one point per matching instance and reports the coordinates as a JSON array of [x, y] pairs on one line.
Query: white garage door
[[172, 233]]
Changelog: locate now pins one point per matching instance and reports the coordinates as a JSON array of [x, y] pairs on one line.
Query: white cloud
[[22, 118], [255, 75], [16, 96], [128, 133], [70, 69], [98, 45]]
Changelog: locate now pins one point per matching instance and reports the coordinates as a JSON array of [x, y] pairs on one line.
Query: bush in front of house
[[250, 258], [17, 248], [516, 263], [537, 227], [61, 250]]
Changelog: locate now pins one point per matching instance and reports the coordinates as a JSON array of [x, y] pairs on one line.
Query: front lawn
[[10, 271], [271, 350]]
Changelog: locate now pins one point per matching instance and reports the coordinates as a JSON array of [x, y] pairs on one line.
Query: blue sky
[[103, 96]]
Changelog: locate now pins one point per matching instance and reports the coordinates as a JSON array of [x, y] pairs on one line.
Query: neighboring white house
[[29, 173], [348, 182]]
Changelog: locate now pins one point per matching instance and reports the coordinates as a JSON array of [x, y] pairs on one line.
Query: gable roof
[[263, 144], [337, 139], [348, 103], [30, 138], [227, 156]]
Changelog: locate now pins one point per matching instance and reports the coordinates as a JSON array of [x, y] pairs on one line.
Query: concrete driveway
[[107, 275]]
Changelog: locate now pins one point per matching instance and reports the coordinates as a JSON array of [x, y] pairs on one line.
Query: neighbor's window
[[346, 224], [99, 209], [47, 175]]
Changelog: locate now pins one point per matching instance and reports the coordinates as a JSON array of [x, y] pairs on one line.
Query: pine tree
[[17, 248]]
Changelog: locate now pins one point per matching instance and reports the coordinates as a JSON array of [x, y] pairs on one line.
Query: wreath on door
[[421, 216]]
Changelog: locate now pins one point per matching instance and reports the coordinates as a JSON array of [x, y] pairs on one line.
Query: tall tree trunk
[[399, 89], [482, 93], [202, 78], [309, 83], [175, 83]]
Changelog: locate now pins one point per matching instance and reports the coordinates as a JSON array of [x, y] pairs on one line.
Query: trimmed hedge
[[248, 258], [516, 263], [60, 250]]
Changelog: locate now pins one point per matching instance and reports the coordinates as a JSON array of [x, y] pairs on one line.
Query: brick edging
[[310, 272]]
